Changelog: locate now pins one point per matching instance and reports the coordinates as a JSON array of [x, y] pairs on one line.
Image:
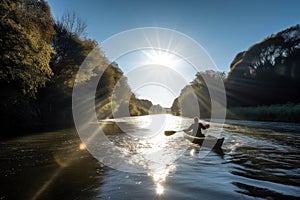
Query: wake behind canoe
[[209, 142]]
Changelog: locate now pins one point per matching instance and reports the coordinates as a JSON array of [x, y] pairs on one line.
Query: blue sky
[[222, 28]]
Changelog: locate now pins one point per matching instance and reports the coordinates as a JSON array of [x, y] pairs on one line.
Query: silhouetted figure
[[196, 127]]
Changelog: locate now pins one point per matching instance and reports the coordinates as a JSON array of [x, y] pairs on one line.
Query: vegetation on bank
[[39, 61], [268, 72], [260, 78], [278, 112], [195, 98]]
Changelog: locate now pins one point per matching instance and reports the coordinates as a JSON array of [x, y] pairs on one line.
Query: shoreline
[[289, 112]]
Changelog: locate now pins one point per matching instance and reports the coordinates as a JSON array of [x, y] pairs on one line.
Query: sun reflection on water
[[159, 177], [160, 189]]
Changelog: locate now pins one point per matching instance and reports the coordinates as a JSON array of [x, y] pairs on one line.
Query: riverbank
[[289, 112]]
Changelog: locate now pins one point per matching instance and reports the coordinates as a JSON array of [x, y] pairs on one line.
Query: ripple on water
[[256, 163]]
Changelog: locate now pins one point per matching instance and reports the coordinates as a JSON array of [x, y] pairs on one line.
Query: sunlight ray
[[62, 165], [46, 185]]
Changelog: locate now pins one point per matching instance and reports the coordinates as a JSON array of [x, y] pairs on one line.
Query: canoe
[[209, 141]]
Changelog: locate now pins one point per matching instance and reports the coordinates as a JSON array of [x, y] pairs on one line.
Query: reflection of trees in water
[[79, 180], [48, 166], [115, 127]]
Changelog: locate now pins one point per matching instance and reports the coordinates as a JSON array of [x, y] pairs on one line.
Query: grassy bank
[[280, 112]]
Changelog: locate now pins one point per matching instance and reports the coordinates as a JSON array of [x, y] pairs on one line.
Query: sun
[[160, 57]]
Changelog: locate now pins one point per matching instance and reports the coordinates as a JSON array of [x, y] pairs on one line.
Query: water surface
[[260, 160]]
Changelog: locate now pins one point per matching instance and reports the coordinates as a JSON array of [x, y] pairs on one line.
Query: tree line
[[39, 59], [267, 75]]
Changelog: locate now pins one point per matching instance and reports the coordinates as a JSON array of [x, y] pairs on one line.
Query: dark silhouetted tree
[[26, 31], [268, 72]]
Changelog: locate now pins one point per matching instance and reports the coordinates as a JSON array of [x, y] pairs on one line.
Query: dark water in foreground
[[260, 160]]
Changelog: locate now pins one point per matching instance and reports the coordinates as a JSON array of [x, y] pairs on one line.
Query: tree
[[55, 100], [73, 24], [195, 99], [26, 31], [268, 72]]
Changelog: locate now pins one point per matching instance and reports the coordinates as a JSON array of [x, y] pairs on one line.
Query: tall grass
[[289, 112]]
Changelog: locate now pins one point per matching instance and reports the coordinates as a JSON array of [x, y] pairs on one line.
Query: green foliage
[[26, 31], [55, 101], [261, 78], [112, 80], [25, 49], [37, 52], [194, 99], [139, 106], [278, 112], [175, 108], [114, 95], [71, 51]]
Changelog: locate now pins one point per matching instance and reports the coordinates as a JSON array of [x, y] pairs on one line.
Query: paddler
[[196, 127]]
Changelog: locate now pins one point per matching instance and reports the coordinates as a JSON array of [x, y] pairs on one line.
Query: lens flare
[[82, 147]]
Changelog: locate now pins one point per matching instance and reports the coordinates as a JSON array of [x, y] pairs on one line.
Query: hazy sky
[[222, 27]]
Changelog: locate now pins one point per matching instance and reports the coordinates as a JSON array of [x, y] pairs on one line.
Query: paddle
[[169, 133]]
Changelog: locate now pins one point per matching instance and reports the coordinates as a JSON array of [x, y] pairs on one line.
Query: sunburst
[[160, 57]]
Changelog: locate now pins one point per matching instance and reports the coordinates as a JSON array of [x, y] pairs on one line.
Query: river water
[[260, 160]]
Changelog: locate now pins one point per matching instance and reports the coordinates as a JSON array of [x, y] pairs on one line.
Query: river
[[260, 160]]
